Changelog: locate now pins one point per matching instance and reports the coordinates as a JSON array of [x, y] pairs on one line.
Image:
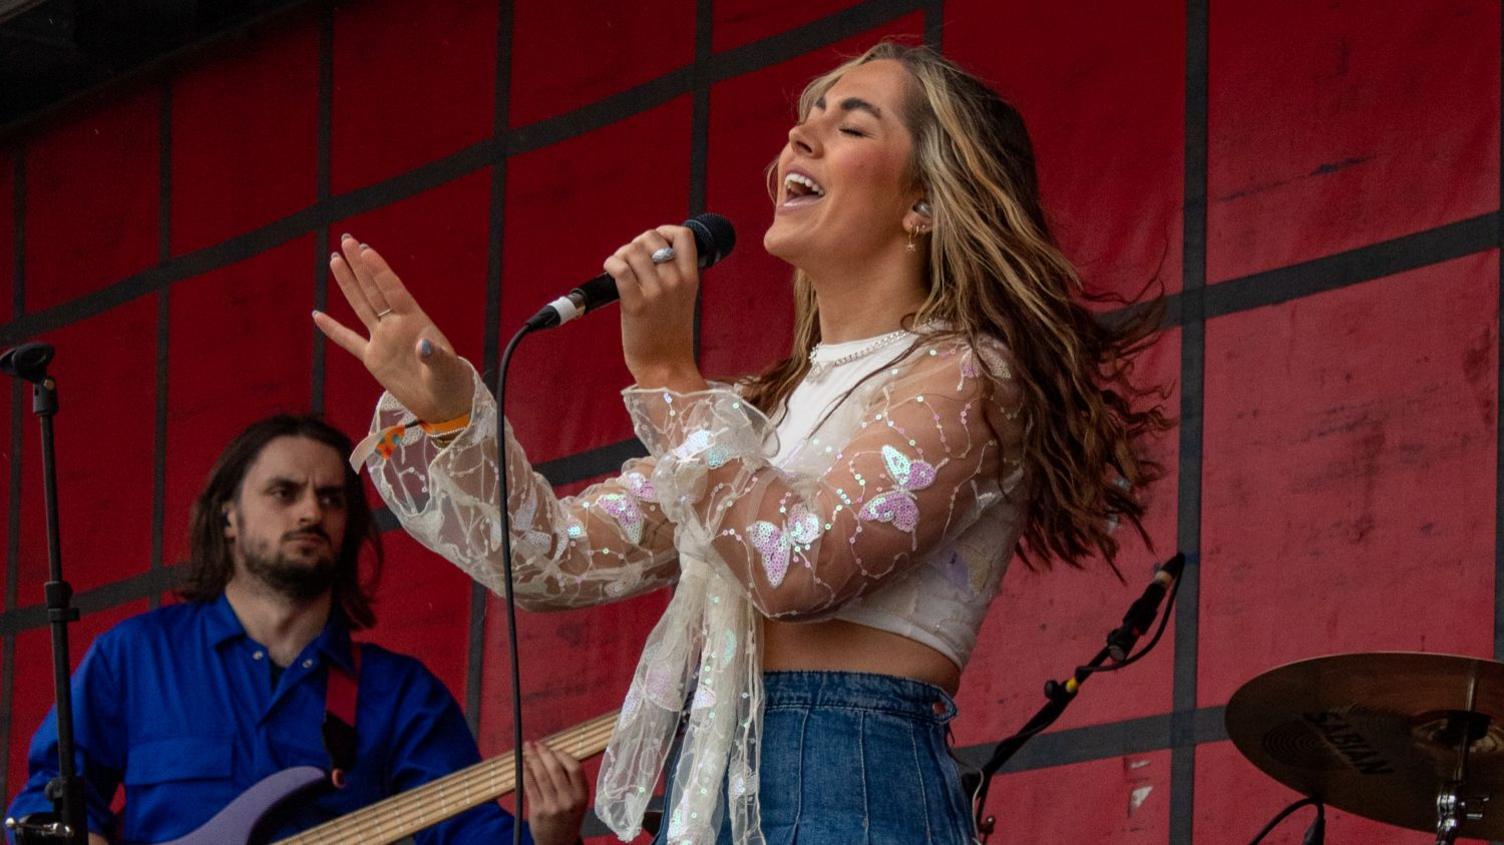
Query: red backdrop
[[1315, 185]]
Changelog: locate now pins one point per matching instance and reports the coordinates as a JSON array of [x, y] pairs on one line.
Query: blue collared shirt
[[178, 706]]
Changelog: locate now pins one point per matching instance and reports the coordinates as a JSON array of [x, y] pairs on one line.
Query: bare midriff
[[837, 646]]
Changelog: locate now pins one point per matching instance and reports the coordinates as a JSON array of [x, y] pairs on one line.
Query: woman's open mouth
[[800, 189]]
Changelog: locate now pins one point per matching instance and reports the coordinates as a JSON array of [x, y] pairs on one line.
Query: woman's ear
[[920, 218]]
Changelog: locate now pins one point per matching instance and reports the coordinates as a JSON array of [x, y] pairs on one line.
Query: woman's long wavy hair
[[995, 271], [211, 561]]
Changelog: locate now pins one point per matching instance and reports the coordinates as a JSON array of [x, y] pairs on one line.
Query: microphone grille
[[714, 237]]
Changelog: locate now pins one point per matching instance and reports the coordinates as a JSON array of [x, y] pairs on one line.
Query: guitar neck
[[402, 815]]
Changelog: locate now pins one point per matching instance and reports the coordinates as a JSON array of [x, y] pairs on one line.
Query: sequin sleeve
[[606, 543], [937, 444]]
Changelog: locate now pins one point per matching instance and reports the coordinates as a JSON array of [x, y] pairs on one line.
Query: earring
[[910, 247]]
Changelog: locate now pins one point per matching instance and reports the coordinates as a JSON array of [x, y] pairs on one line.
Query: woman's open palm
[[405, 351]]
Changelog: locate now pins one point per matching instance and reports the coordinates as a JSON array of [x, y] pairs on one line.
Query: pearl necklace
[[818, 369]]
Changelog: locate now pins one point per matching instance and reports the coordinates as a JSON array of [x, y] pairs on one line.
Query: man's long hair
[[210, 561]]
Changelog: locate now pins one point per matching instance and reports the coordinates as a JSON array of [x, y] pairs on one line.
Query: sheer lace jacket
[[898, 511]]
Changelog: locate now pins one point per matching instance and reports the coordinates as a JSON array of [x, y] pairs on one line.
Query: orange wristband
[[446, 427]]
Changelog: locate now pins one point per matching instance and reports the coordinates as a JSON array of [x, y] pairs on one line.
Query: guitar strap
[[339, 716]]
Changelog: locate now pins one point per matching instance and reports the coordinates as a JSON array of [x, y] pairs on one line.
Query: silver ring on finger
[[663, 255], [383, 312]]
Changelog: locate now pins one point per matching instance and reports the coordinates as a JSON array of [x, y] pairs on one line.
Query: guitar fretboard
[[402, 815]]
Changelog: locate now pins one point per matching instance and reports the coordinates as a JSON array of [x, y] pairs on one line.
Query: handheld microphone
[[28, 361], [1141, 613], [714, 238]]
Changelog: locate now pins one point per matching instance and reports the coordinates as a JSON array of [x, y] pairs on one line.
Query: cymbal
[[1380, 734]]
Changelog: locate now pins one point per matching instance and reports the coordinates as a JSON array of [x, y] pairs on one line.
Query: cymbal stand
[[1452, 808]]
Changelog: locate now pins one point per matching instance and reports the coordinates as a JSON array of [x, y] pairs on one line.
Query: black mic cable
[[1315, 834], [714, 238], [506, 571]]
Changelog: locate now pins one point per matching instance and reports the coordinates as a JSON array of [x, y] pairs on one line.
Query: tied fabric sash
[[701, 665]]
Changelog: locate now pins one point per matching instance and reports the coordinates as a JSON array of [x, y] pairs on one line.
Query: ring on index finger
[[663, 255]]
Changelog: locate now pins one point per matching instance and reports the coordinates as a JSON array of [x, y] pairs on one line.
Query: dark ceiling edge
[[9, 132], [13, 8]]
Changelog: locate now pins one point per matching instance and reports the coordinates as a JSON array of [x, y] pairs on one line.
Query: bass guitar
[[390, 819]]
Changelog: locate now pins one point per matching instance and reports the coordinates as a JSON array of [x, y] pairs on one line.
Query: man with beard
[[189, 705]]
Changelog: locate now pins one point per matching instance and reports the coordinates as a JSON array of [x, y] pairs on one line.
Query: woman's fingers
[[343, 337], [387, 284], [364, 277], [638, 254], [351, 289], [627, 287], [686, 256]]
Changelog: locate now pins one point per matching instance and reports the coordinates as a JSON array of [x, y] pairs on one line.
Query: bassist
[[187, 706]]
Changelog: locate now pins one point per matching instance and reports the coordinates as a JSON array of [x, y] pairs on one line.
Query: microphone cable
[[1315, 834], [714, 237], [506, 570]]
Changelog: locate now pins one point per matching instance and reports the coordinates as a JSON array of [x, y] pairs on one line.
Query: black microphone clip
[[28, 361], [1141, 613]]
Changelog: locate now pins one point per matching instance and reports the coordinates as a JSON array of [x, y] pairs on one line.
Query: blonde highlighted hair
[[995, 271]]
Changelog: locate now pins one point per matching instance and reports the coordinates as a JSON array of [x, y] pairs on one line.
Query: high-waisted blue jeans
[[856, 759]]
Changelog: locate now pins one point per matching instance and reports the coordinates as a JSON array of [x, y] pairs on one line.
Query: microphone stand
[[66, 791], [1120, 642]]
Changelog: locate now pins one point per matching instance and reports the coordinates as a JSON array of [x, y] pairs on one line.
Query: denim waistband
[[858, 691]]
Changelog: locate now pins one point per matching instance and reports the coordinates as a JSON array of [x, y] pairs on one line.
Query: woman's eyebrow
[[854, 104], [858, 104]]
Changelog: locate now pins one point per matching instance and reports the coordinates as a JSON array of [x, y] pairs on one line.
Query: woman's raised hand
[[658, 308], [405, 351]]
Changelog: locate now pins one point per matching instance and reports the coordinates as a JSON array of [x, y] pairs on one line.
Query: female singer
[[837, 525]]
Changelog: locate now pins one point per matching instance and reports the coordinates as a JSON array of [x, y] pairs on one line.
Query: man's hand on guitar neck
[[557, 794]]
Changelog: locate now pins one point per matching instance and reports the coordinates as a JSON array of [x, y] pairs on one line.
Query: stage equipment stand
[[68, 824]]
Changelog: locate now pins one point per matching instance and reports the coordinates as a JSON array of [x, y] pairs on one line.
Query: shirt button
[[258, 654], [308, 663]]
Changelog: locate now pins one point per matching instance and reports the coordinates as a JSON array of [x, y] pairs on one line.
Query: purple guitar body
[[233, 825]]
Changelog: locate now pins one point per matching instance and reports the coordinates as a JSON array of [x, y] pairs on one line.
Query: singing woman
[[837, 525]]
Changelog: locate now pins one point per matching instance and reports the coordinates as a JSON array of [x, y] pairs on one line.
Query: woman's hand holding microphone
[[657, 277]]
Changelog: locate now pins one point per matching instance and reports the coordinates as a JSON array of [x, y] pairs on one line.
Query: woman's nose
[[801, 139]]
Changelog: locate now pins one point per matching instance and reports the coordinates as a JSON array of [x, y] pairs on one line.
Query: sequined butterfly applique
[[898, 506], [778, 545], [640, 486], [623, 508]]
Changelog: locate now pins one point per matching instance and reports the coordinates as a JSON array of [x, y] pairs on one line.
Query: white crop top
[[940, 602]]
